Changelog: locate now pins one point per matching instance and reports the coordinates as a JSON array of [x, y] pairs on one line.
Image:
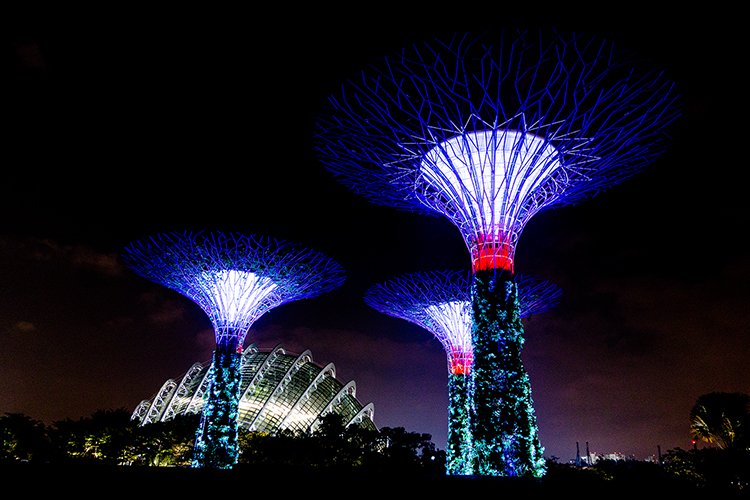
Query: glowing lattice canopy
[[235, 278], [234, 296], [489, 129], [450, 322], [440, 302], [486, 182]]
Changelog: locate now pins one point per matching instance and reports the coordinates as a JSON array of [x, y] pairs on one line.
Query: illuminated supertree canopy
[[235, 278], [488, 131], [440, 302]]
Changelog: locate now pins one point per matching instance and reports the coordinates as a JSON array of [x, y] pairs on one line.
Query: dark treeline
[[109, 440], [110, 437]]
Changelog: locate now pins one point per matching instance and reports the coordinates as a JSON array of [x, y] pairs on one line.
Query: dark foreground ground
[[97, 481]]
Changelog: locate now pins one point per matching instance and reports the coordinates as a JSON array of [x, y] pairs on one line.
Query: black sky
[[119, 124]]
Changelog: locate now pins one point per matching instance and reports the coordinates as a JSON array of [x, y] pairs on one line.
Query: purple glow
[[487, 183], [451, 325], [234, 278], [440, 302], [489, 130], [420, 131], [236, 298]]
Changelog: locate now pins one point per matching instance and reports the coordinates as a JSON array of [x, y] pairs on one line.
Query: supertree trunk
[[216, 443], [235, 278], [503, 424], [458, 450]]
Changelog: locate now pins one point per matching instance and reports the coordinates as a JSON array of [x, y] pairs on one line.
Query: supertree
[[235, 278], [440, 302], [489, 130]]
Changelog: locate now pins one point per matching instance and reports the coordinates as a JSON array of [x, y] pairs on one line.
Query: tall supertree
[[440, 302], [235, 278], [489, 130]]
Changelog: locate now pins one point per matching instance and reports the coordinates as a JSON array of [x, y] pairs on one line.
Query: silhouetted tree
[[103, 437], [335, 447], [23, 439], [410, 451], [715, 469], [163, 443], [722, 419], [110, 437]]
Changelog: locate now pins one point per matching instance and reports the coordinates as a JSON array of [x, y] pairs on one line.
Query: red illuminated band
[[489, 254], [461, 362]]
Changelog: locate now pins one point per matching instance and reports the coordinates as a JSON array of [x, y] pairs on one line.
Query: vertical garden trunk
[[503, 424], [216, 444], [458, 450]]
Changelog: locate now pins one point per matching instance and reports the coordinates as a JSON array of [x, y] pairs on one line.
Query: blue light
[[233, 299], [235, 278], [440, 302], [485, 181], [487, 131]]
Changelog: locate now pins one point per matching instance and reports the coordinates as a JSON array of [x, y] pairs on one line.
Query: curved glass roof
[[279, 391]]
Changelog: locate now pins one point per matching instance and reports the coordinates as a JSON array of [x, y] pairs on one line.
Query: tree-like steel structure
[[488, 131], [440, 302], [235, 278]]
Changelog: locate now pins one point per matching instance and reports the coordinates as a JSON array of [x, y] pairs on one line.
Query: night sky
[[120, 124]]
